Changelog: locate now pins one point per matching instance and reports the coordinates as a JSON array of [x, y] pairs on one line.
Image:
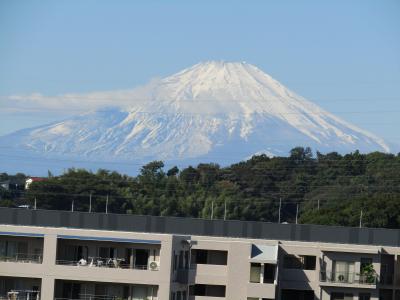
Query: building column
[[47, 288], [49, 260], [49, 250]]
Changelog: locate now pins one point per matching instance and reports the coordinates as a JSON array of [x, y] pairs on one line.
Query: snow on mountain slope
[[213, 111]]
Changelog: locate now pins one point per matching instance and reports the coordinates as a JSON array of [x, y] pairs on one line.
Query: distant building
[[9, 185], [30, 180]]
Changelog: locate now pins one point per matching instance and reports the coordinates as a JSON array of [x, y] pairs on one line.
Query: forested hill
[[326, 188]]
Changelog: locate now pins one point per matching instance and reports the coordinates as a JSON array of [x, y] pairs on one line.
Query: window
[[255, 271], [305, 262], [201, 256], [343, 271], [10, 248], [309, 262], [3, 248], [364, 296], [207, 290], [269, 273], [291, 262], [141, 258], [210, 257], [341, 296], [107, 252]]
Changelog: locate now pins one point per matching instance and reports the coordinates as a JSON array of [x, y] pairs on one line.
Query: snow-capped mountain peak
[[218, 111]]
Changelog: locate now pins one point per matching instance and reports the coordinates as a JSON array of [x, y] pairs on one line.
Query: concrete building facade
[[63, 255]]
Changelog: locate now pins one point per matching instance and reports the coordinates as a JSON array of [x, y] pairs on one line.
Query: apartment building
[[71, 255]]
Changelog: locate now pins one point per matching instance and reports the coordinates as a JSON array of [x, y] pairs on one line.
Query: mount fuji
[[222, 112]]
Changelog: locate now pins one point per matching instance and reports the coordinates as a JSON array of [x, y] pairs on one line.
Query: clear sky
[[343, 55]]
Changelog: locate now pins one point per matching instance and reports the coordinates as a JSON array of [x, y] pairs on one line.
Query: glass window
[[305, 262], [341, 296], [201, 256], [269, 273], [309, 262], [292, 262], [255, 271], [3, 248], [343, 271], [11, 249], [364, 296]]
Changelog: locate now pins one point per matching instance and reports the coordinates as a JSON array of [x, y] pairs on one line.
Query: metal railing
[[22, 258], [21, 295], [93, 297], [348, 278], [100, 262]]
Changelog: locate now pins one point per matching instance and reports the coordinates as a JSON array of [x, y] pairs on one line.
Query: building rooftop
[[202, 227]]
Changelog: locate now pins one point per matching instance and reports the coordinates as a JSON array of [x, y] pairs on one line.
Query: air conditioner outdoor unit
[[153, 265]]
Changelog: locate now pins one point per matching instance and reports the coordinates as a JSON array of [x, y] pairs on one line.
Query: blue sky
[[343, 55]]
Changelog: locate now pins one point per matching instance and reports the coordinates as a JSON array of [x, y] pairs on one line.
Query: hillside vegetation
[[326, 188]]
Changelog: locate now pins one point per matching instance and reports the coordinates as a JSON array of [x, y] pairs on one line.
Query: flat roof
[[201, 227]]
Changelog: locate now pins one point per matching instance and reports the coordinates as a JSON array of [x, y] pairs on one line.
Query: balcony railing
[[100, 262], [22, 258], [348, 278], [93, 297], [21, 295]]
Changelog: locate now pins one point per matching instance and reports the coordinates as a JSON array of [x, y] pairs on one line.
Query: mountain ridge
[[204, 111]]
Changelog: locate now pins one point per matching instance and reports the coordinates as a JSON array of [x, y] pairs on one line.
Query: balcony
[[19, 288], [93, 297], [100, 254], [85, 290], [22, 258], [21, 248], [115, 263], [347, 279]]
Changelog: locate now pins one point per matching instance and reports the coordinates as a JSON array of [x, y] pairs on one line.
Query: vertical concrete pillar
[[49, 260], [47, 290], [238, 270], [49, 251], [165, 271]]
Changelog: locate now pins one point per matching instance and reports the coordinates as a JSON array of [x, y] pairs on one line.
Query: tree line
[[329, 189]]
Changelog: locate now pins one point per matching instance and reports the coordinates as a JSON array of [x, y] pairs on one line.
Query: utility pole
[[90, 202], [225, 210], [107, 204], [280, 206], [361, 215], [34, 205], [318, 204], [212, 210], [72, 206], [297, 211]]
